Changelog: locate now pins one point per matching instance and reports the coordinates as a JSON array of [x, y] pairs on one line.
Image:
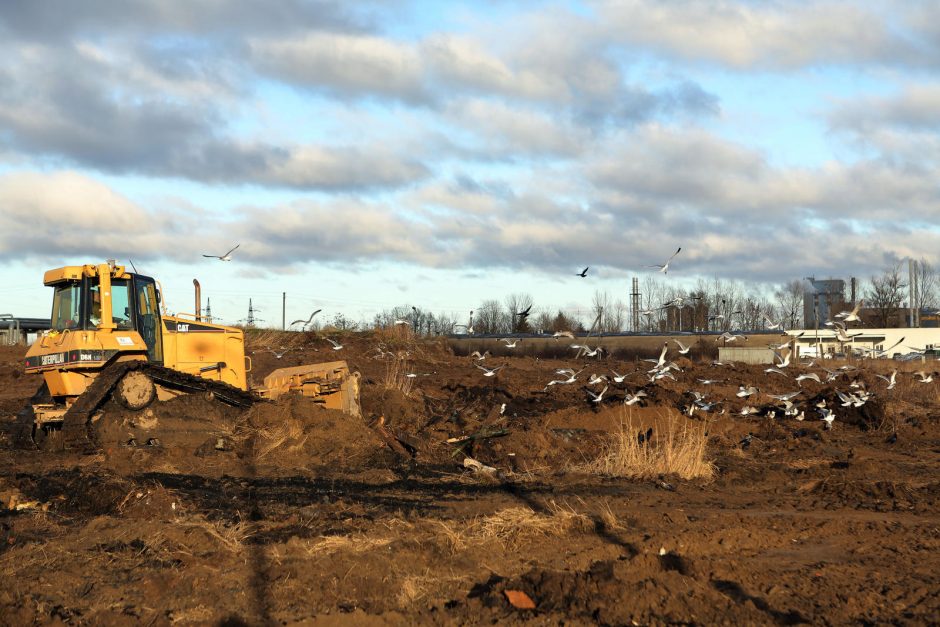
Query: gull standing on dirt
[[664, 268], [226, 257], [746, 391]]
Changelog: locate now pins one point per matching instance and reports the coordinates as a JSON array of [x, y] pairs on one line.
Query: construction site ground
[[287, 513]]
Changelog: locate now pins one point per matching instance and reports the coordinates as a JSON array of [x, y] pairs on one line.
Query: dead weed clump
[[288, 436], [512, 525], [328, 545], [677, 447], [231, 537]]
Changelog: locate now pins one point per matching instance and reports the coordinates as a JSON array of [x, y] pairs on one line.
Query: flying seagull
[[226, 257], [665, 267], [308, 320], [851, 316], [583, 273], [683, 349], [490, 372], [596, 398]]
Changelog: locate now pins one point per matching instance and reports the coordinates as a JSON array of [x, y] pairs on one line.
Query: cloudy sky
[[366, 155]]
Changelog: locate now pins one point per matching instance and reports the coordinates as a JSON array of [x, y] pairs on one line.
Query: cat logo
[[182, 328]]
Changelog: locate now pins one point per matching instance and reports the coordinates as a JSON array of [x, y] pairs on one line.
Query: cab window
[[66, 306], [121, 304]]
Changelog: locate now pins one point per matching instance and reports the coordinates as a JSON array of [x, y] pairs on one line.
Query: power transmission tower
[[208, 315]]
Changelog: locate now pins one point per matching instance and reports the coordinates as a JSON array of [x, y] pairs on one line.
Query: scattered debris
[[519, 599]]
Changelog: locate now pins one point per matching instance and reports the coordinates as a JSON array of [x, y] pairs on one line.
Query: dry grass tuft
[[417, 587], [230, 537], [678, 448], [327, 545], [512, 525], [288, 435]]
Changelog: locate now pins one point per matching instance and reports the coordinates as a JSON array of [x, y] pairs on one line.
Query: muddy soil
[[287, 513]]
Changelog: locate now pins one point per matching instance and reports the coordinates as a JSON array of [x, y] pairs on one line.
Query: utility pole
[[635, 306], [283, 310], [910, 290]]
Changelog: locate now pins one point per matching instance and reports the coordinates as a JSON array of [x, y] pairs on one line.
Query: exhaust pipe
[[198, 300]]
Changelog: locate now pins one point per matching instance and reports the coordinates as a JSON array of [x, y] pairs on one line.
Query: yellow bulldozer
[[111, 338]]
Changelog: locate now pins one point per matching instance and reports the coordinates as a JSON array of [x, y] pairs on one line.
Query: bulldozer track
[[77, 424]]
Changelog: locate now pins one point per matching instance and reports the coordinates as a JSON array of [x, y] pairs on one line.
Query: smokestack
[[198, 300]]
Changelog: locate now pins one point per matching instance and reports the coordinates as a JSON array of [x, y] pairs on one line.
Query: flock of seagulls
[[777, 406], [799, 403]]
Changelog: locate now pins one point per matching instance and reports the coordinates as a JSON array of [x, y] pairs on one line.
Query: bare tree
[[790, 303], [516, 303], [885, 294], [491, 318], [925, 277], [600, 308], [543, 320]]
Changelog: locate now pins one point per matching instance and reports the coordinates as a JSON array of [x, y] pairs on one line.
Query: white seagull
[[596, 398], [226, 257], [490, 372], [633, 399], [683, 349], [890, 381], [336, 345], [307, 321], [664, 268], [851, 316]]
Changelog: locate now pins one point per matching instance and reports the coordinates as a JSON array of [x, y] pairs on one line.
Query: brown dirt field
[[286, 513]]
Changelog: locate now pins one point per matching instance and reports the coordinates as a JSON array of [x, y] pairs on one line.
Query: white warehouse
[[894, 341]]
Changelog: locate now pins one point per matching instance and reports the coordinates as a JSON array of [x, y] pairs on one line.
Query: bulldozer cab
[[96, 302]]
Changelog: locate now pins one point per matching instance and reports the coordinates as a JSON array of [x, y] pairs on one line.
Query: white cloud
[[778, 35]]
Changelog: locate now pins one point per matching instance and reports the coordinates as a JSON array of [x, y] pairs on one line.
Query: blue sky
[[374, 154]]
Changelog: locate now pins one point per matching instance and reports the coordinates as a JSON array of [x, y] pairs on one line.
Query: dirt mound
[[297, 433]]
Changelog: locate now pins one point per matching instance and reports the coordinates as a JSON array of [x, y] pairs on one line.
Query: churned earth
[[287, 513]]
